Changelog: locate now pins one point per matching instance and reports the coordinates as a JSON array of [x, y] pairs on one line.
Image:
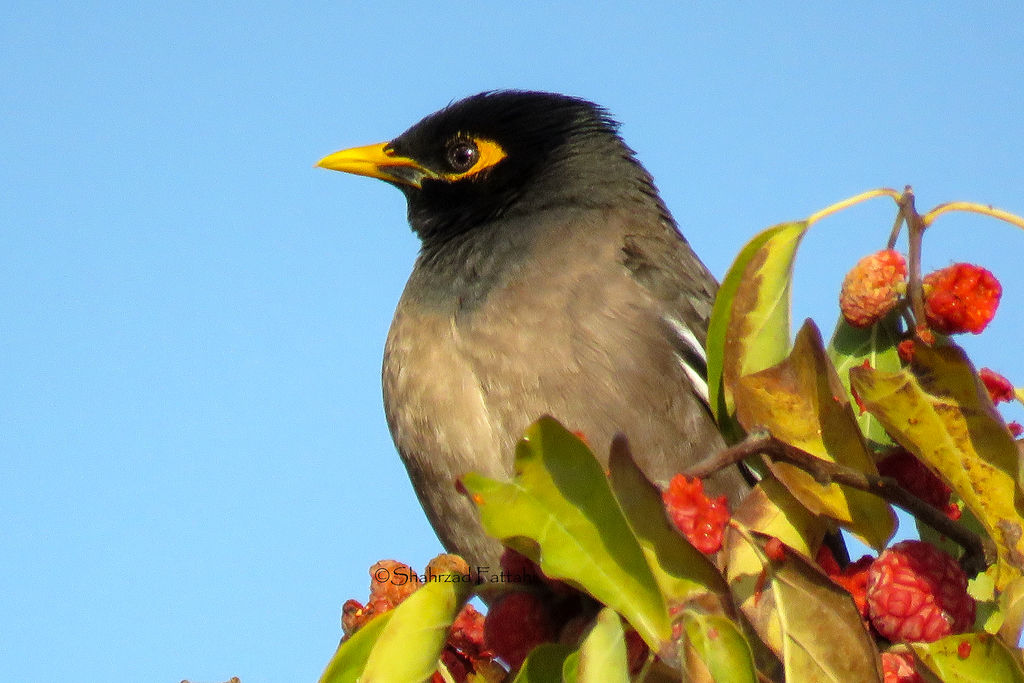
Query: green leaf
[[988, 659], [683, 573], [851, 347], [749, 327], [982, 588], [570, 668], [561, 500], [809, 621], [603, 652], [801, 402], [349, 660], [544, 664], [771, 509], [405, 643], [717, 643], [939, 410]]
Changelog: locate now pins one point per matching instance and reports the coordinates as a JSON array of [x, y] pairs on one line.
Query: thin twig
[[972, 207], [978, 552], [915, 233], [755, 443], [895, 233], [850, 201]]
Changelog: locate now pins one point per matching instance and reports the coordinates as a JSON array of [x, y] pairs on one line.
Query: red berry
[[963, 649], [961, 298], [1016, 429], [458, 665], [905, 349], [873, 288], [467, 633], [999, 388], [392, 582], [925, 335], [518, 568], [827, 561], [917, 593], [701, 519], [446, 563], [898, 667], [516, 624], [855, 580], [636, 652], [775, 549], [353, 616], [914, 476]]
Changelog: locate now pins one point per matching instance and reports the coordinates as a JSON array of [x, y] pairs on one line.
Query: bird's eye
[[462, 154]]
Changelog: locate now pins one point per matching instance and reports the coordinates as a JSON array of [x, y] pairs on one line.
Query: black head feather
[[560, 150]]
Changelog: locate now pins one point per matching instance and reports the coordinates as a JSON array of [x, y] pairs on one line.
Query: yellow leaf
[[749, 328], [802, 402], [939, 410], [809, 621]]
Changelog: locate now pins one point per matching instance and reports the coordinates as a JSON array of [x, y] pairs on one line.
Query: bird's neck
[[456, 272]]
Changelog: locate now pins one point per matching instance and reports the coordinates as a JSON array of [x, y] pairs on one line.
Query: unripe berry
[[873, 287]]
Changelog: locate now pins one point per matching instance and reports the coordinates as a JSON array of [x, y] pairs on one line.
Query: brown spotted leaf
[[969, 658], [715, 649], [749, 328], [809, 621], [802, 402], [939, 410]]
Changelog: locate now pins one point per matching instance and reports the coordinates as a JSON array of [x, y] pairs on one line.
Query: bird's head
[[500, 154]]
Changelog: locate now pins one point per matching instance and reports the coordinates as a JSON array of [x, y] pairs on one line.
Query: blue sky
[[195, 471]]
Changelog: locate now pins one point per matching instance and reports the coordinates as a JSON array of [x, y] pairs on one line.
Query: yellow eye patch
[[480, 152]]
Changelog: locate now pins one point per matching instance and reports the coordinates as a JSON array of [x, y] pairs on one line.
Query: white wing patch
[[693, 359]]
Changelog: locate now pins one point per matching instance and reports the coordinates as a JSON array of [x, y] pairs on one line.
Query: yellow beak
[[377, 161]]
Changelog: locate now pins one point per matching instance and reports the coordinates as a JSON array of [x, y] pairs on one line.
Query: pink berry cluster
[[483, 647], [960, 298], [700, 518], [912, 592], [391, 582]]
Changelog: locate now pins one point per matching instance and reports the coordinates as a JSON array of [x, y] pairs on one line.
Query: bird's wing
[[665, 265]]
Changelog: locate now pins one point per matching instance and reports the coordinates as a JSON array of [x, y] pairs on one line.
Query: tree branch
[[978, 552]]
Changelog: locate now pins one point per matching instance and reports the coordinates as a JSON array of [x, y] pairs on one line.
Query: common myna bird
[[551, 280]]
